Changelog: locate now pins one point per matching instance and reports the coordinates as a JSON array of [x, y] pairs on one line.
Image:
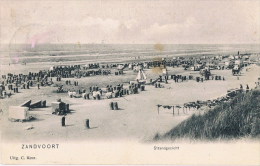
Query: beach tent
[[192, 68], [164, 71], [140, 75], [38, 104], [238, 62], [236, 67], [18, 113], [227, 63], [246, 57], [59, 106], [120, 67], [137, 68], [237, 57], [26, 104], [145, 65], [231, 57], [51, 68]]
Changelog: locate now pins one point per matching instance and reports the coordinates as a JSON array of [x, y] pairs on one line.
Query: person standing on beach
[[63, 121], [38, 85], [241, 87], [247, 88]]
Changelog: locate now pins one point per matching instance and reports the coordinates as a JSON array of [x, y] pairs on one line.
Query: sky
[[130, 22]]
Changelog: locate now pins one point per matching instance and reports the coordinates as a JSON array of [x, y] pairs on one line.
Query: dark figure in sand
[[247, 88], [63, 121]]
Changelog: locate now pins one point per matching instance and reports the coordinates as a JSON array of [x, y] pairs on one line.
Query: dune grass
[[240, 117]]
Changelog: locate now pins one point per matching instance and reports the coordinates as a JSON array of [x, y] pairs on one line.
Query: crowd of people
[[108, 92], [13, 82]]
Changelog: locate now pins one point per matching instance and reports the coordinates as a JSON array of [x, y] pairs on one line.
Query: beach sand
[[137, 119]]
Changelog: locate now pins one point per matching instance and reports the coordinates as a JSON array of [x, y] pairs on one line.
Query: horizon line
[[136, 43]]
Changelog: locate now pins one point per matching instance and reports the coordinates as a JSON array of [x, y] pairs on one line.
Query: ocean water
[[83, 53]]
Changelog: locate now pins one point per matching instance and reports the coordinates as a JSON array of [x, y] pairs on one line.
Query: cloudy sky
[[118, 21]]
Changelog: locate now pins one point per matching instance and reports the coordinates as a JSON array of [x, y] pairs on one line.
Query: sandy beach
[[137, 119], [128, 82]]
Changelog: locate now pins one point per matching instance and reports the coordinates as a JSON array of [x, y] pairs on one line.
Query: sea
[[98, 53]]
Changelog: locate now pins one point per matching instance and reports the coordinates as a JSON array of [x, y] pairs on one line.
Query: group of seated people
[[110, 91]]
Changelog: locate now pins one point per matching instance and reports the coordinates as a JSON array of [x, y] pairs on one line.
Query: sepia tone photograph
[[131, 82]]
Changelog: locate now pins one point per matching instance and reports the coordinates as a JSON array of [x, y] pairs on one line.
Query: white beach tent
[[238, 62], [18, 113], [141, 75], [231, 57], [52, 68], [164, 71], [120, 67], [137, 68]]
